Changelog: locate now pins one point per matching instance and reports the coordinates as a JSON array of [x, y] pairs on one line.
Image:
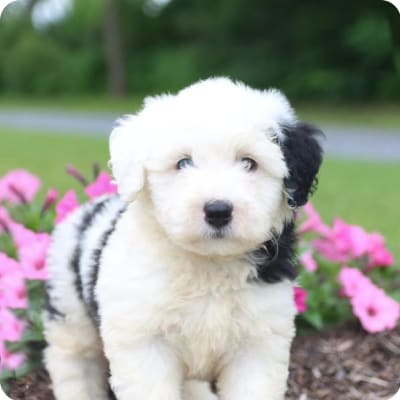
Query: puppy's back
[[74, 257]]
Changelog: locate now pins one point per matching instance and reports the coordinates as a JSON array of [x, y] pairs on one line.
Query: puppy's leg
[[75, 361], [198, 390], [146, 370], [257, 372]]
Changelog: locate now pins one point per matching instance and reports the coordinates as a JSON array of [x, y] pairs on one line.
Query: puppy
[[187, 275]]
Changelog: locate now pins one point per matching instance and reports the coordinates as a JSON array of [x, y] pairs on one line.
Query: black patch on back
[[276, 259], [303, 156], [96, 257], [81, 228]]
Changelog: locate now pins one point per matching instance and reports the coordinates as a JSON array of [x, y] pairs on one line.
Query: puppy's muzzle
[[218, 213]]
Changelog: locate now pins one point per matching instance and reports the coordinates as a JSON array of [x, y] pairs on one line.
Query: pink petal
[[9, 360], [51, 197], [313, 223], [25, 183], [21, 235], [13, 291], [308, 261], [300, 298], [353, 281], [14, 361], [33, 258], [5, 219], [327, 249], [11, 328], [102, 185], [379, 256], [376, 311], [66, 205]]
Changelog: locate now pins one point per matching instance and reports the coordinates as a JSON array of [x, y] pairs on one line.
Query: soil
[[340, 364]]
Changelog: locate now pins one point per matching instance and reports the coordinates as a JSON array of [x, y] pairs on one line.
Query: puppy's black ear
[[303, 156]]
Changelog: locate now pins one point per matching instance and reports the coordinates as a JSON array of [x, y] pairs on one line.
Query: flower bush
[[346, 273], [25, 226], [24, 237]]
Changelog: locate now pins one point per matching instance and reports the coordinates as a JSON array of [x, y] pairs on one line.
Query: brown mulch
[[341, 364], [345, 364], [35, 386]]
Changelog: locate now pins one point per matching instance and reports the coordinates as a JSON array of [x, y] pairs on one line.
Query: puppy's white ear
[[127, 158]]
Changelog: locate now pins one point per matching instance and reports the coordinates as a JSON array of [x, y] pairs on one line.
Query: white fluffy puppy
[[187, 275]]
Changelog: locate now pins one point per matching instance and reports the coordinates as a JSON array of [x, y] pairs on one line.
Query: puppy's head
[[223, 165]]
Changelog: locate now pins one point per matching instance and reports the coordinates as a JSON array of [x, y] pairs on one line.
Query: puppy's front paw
[[198, 390]]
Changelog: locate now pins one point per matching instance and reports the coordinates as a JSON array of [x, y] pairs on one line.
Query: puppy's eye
[[184, 163], [249, 164]]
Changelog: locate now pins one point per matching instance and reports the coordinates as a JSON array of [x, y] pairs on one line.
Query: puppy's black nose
[[218, 213]]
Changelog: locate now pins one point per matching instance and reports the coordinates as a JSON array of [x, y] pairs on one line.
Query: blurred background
[[68, 68], [311, 50]]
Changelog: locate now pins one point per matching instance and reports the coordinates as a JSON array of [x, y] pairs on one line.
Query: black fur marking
[[92, 302], [111, 394], [275, 260], [81, 228], [52, 312], [303, 156]]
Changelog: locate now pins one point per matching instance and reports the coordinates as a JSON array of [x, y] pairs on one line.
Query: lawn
[[47, 155], [364, 115], [363, 193]]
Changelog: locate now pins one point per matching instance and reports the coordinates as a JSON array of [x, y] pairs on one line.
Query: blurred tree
[[311, 49], [114, 51]]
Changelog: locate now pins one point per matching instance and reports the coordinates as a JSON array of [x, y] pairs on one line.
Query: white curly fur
[[176, 305]]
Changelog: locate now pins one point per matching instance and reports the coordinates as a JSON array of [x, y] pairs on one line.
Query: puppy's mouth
[[219, 233]]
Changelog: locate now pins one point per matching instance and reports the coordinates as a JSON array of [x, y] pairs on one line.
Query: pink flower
[[12, 284], [32, 250], [51, 197], [33, 257], [359, 241], [19, 186], [379, 256], [343, 243], [5, 219], [11, 328], [300, 299], [102, 185], [9, 360], [353, 281], [21, 235], [313, 223], [376, 311], [349, 239], [66, 205], [327, 249], [308, 261]]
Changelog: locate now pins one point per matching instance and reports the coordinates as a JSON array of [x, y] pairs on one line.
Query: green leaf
[[314, 319]]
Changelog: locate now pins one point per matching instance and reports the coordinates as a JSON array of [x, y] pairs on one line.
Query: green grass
[[47, 155], [364, 115], [362, 193]]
